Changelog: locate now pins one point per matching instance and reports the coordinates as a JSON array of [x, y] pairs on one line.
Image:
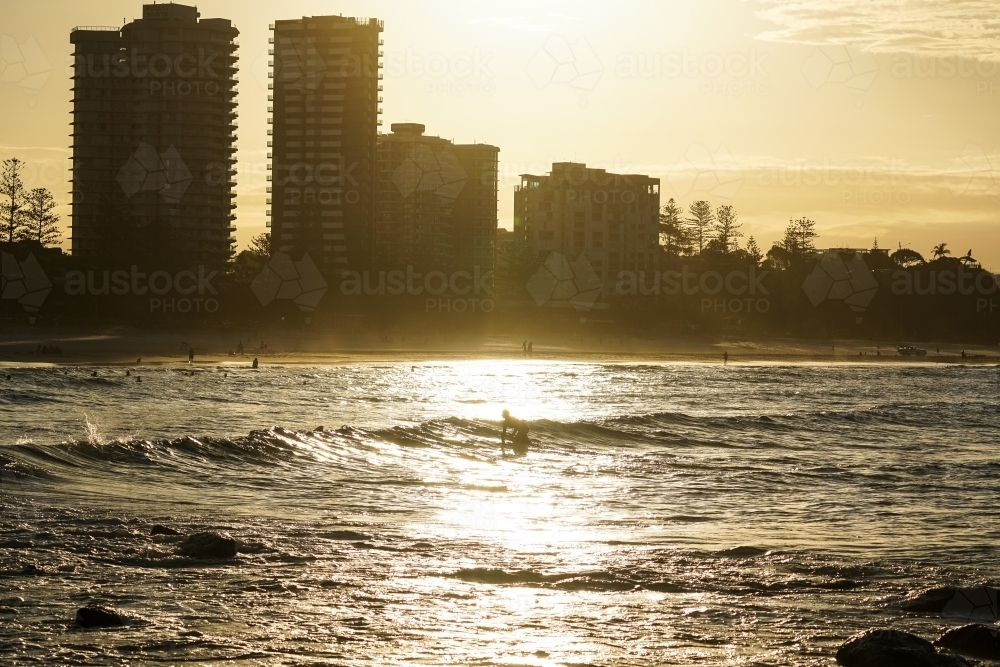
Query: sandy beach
[[125, 345]]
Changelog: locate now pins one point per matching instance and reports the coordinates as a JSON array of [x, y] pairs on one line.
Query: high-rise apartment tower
[[326, 79], [154, 121]]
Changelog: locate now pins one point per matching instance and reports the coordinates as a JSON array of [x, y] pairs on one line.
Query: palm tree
[[940, 250]]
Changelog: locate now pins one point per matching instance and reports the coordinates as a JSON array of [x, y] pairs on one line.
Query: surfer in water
[[519, 434]]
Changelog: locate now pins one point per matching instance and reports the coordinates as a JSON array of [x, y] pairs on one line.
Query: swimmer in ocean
[[519, 434]]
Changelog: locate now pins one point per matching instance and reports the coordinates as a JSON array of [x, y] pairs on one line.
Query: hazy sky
[[875, 118]]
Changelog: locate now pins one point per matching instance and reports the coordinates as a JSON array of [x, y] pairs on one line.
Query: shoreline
[[349, 357], [123, 346]]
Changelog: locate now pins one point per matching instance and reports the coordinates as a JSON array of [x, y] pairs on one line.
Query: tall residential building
[[326, 76], [437, 206], [612, 219], [154, 121]]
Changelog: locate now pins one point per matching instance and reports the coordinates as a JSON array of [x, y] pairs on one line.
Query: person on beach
[[254, 362], [519, 434]]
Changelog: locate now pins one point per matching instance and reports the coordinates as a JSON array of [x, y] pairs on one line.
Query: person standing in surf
[[519, 434]]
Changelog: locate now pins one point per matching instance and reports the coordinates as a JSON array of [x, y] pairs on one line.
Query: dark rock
[[893, 648], [96, 616], [163, 530], [977, 640], [208, 545], [932, 600], [980, 602]]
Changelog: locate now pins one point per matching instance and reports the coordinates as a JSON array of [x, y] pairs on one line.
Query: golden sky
[[877, 119]]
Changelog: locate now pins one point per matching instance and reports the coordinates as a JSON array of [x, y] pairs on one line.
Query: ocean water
[[667, 514]]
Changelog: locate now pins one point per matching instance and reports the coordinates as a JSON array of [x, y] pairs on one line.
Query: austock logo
[[299, 64], [715, 173], [560, 61], [980, 602], [455, 292], [736, 292], [195, 292], [834, 279], [841, 63], [284, 279], [24, 282], [150, 171], [559, 283], [23, 64], [422, 171], [976, 173]]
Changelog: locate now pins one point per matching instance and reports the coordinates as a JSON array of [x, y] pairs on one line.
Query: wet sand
[[125, 345]]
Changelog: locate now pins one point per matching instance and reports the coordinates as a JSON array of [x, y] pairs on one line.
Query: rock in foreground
[[980, 602], [208, 545], [893, 648], [932, 600], [979, 641], [97, 616]]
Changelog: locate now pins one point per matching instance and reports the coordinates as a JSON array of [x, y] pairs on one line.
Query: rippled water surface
[[666, 514]]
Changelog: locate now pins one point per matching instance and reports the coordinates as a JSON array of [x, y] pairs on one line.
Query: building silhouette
[[437, 204], [326, 81], [611, 219], [154, 121]]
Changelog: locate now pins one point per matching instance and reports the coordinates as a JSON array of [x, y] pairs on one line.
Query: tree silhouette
[[700, 222], [12, 211], [40, 221], [727, 229], [519, 260], [249, 263], [940, 250], [753, 250], [673, 235], [907, 258], [799, 236]]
